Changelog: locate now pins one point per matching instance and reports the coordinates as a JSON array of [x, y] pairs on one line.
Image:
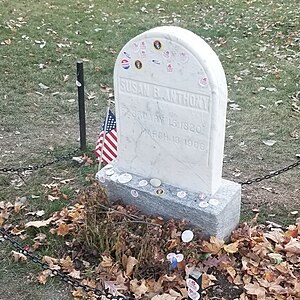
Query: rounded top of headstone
[[171, 97], [163, 50]]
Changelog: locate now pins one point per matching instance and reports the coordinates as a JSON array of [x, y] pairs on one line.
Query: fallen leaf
[[232, 248], [269, 142], [38, 224], [255, 289], [63, 229], [131, 262], [293, 246], [213, 246], [52, 198], [18, 256], [139, 288], [75, 274], [43, 276], [106, 262], [164, 297]]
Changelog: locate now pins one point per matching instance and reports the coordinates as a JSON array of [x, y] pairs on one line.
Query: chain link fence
[[75, 282]]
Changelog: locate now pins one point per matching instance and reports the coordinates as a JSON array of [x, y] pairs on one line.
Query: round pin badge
[[187, 236], [138, 64], [124, 178], [143, 182], [202, 196], [134, 193], [170, 256], [125, 64], [110, 172], [194, 295], [203, 204], [157, 45], [179, 257], [159, 192], [155, 182], [181, 194]]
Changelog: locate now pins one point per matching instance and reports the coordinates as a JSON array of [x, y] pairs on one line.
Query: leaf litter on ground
[[115, 247]]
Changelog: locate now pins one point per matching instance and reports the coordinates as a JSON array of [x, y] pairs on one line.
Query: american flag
[[110, 140]]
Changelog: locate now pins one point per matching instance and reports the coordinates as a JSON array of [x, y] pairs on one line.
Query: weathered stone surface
[[219, 216], [171, 96]]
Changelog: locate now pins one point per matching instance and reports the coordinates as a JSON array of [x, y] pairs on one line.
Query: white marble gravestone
[[171, 96]]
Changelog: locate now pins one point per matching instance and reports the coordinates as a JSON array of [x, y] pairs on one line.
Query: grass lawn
[[257, 41]]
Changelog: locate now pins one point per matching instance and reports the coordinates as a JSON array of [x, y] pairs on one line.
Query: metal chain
[[40, 166], [66, 278], [273, 174]]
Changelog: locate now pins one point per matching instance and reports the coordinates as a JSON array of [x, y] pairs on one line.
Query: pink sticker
[[143, 45], [136, 47], [143, 54], [192, 284], [183, 57], [169, 68], [194, 295], [166, 54], [125, 64], [203, 81]]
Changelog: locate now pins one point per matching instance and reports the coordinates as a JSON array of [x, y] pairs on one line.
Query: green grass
[[256, 41]]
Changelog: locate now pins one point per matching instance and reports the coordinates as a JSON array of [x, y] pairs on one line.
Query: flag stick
[[104, 133]]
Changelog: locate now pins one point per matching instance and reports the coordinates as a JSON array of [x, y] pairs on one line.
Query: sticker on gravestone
[[171, 109]]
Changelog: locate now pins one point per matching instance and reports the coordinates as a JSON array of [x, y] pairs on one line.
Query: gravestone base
[[219, 218]]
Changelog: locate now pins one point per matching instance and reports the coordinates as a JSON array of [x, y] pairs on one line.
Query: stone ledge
[[219, 218]]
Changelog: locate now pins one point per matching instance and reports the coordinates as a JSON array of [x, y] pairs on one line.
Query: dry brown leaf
[[106, 262], [63, 229], [231, 271], [43, 276], [75, 274], [164, 297], [77, 293], [293, 246], [255, 289], [16, 231], [138, 288], [52, 198], [18, 256], [67, 264], [232, 248], [213, 246], [207, 280], [52, 262], [131, 262], [38, 224]]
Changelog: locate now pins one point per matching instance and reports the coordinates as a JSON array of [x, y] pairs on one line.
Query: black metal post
[[80, 85]]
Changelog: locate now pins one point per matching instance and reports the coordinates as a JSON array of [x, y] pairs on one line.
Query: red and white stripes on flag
[[109, 151]]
